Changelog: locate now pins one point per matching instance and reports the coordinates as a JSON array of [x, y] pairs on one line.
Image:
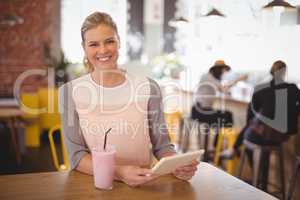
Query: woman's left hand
[[186, 172]]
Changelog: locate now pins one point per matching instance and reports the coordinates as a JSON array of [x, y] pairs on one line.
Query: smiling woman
[[100, 41], [108, 97]]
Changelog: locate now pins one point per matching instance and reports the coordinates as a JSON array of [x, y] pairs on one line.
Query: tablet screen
[[167, 165]]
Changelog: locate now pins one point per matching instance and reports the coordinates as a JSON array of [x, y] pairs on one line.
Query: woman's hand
[[186, 172], [243, 77], [133, 175]]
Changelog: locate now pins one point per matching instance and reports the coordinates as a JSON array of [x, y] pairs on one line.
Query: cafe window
[[247, 38], [73, 14]]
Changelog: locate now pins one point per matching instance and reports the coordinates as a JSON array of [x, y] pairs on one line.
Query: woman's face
[[101, 47]]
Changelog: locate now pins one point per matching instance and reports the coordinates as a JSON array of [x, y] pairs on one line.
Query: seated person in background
[[108, 97], [263, 103], [272, 114], [208, 87]]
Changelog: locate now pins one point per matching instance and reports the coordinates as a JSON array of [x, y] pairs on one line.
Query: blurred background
[[174, 42]]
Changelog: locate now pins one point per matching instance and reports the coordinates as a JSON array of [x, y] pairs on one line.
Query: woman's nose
[[102, 49]]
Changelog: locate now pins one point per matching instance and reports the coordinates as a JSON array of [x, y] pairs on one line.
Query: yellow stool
[[173, 122], [229, 135], [30, 106], [65, 165], [48, 98]]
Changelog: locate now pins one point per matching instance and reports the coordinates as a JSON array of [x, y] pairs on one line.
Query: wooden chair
[[294, 179], [257, 151]]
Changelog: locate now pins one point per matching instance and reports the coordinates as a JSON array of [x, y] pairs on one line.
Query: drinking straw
[[105, 138]]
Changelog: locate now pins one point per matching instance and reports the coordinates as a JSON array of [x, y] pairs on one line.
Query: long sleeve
[[298, 100], [250, 113], [255, 104], [157, 127], [72, 134]]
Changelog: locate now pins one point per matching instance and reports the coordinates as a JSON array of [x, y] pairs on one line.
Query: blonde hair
[[92, 21]]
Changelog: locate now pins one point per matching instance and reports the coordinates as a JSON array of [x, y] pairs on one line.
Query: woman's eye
[[110, 41], [93, 45]]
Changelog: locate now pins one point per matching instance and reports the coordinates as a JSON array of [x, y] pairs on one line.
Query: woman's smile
[[103, 58], [102, 47]]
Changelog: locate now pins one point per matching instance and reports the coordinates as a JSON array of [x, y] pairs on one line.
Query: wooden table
[[209, 183], [10, 115]]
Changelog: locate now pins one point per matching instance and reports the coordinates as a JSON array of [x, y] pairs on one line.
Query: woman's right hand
[[243, 77], [133, 175]]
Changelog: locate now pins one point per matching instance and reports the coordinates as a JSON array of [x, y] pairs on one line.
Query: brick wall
[[22, 45]]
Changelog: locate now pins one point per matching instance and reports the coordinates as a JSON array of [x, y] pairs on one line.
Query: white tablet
[[167, 165]]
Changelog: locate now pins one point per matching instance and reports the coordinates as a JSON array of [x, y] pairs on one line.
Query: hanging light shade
[[279, 3], [178, 21], [214, 12]]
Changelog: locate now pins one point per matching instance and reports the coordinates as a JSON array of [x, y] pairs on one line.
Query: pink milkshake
[[104, 167]]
